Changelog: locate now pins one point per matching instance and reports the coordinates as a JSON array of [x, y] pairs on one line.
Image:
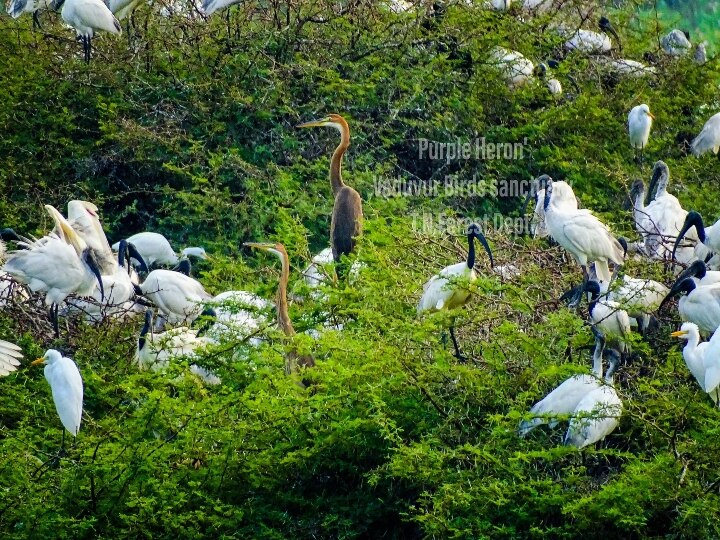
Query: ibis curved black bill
[[693, 219]]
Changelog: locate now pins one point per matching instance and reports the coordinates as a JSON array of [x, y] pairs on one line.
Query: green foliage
[[186, 127]]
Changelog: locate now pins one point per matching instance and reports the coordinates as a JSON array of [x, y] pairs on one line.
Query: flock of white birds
[[77, 269]]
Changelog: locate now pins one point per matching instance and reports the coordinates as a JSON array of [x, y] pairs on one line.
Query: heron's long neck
[[336, 163], [283, 318]]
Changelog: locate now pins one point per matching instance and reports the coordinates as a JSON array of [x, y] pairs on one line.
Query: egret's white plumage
[[10, 356], [709, 137], [640, 298], [56, 265], [239, 314], [639, 124], [702, 358], [625, 67], [67, 388]]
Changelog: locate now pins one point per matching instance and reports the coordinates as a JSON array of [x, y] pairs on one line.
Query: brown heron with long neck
[[347, 216], [293, 360]]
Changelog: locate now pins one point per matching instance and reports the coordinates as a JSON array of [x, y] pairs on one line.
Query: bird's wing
[[10, 355]]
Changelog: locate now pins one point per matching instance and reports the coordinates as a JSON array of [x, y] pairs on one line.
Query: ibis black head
[[548, 190], [659, 180], [9, 235], [184, 267], [621, 240], [94, 267], [693, 219], [696, 269], [593, 287], [637, 190], [475, 232], [536, 185], [686, 285]]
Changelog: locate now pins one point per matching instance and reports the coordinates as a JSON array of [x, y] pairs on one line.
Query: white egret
[[587, 41], [564, 399], [582, 234], [709, 137], [702, 359], [676, 43], [446, 290], [179, 298], [67, 389], [86, 17], [57, 265], [155, 249], [639, 122], [10, 356], [598, 413], [624, 67]]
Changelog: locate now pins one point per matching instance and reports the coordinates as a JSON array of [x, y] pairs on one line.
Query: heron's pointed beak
[[259, 245], [314, 123], [37, 361], [679, 333], [651, 115]]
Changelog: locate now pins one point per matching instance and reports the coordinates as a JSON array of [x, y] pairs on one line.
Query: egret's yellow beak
[[679, 333], [37, 361], [651, 115], [314, 123], [259, 245]]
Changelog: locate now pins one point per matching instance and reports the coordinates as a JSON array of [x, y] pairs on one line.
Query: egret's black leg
[[54, 320], [580, 290], [458, 354]]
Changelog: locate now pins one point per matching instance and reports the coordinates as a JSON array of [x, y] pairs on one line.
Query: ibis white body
[[179, 298]]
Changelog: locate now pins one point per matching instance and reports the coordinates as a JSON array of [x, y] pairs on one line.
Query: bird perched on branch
[[446, 290]]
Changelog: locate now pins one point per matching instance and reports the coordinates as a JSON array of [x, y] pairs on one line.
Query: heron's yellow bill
[[315, 123], [651, 115], [679, 333], [37, 361]]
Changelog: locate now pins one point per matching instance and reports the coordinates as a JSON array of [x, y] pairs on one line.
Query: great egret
[[676, 43], [179, 298], [598, 413], [702, 359], [564, 399], [700, 304], [10, 356], [86, 17], [582, 234], [564, 196], [708, 138], [57, 265], [155, 249], [624, 67], [67, 389], [293, 360], [639, 122], [516, 69], [608, 317], [708, 237], [446, 290], [347, 217]]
